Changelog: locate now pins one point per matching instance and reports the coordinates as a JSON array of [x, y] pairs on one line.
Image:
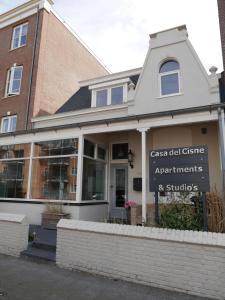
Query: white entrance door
[[119, 190]]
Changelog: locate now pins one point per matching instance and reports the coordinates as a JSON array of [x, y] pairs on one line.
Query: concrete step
[[44, 245], [37, 254]]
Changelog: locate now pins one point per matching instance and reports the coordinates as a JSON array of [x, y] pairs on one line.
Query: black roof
[[82, 98]]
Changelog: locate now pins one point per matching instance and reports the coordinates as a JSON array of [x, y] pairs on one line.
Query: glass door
[[119, 190]]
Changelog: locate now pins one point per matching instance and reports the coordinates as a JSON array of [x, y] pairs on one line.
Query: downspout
[[31, 72], [222, 150]]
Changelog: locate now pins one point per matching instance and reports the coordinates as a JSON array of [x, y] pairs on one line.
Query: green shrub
[[181, 216]]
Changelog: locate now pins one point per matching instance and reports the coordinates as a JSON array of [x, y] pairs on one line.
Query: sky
[[117, 31]]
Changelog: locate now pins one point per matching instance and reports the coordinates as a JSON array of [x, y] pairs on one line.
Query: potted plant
[[52, 214], [128, 205]]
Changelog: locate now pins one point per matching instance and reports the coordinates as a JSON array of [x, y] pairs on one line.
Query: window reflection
[[54, 178], [58, 147], [93, 180], [13, 178], [14, 151]]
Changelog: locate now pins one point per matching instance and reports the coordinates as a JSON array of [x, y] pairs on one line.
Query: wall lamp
[[131, 159]]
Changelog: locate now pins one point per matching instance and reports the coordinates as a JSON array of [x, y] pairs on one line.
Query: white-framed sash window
[[13, 81], [19, 37], [109, 96], [8, 124], [169, 78]]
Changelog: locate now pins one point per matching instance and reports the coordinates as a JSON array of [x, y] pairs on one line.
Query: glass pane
[[24, 35], [5, 125], [16, 86], [24, 29], [120, 188], [17, 72], [13, 124], [14, 151], [101, 153], [16, 37], [93, 180], [168, 66], [16, 80], [120, 151], [58, 147], [101, 98], [89, 148], [52, 178], [13, 178], [15, 43], [169, 84], [117, 95]]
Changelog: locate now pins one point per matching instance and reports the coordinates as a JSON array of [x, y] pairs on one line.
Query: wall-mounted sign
[[179, 169]]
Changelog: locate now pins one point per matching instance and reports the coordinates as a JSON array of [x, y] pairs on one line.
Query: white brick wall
[[13, 234], [186, 261]]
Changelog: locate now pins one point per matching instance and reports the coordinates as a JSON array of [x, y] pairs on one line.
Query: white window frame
[[10, 79], [118, 161], [20, 36], [10, 118], [109, 95], [169, 73]]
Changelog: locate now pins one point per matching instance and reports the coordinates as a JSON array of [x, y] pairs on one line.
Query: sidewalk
[[25, 280]]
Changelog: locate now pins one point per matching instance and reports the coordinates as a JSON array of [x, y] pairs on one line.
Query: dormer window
[[117, 95], [169, 76], [101, 98], [109, 96]]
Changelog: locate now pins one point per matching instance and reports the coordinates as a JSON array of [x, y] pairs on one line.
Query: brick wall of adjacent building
[[185, 261], [13, 234], [221, 10], [62, 62], [21, 56]]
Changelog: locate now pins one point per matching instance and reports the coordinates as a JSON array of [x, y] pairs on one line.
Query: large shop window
[[14, 168], [93, 185], [54, 174]]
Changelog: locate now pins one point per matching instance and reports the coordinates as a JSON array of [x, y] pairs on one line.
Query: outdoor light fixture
[[131, 158]]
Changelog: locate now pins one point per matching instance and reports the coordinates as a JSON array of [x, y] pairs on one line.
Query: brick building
[[41, 62], [221, 9]]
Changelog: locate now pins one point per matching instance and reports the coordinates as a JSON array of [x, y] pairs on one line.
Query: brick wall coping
[[12, 218], [184, 236]]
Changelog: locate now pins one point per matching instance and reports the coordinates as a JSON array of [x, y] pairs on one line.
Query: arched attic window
[[169, 76]]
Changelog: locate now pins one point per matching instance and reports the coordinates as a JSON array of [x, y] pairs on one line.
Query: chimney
[[221, 10]]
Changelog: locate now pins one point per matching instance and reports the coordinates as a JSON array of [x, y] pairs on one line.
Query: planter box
[[50, 220]]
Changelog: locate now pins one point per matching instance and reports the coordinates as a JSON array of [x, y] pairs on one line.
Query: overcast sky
[[118, 30]]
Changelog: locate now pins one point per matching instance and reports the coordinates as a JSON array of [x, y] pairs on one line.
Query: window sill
[[10, 96], [13, 49], [171, 95], [6, 133]]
